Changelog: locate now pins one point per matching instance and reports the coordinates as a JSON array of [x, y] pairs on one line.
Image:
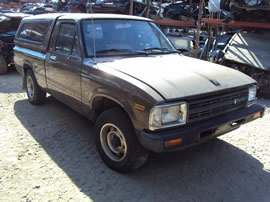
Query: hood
[[175, 76]]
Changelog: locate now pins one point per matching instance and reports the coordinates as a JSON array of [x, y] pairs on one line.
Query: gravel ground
[[48, 154]]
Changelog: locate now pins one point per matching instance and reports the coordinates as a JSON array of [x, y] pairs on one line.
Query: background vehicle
[[248, 9], [9, 22], [118, 6], [6, 10], [182, 8], [244, 52], [37, 8]]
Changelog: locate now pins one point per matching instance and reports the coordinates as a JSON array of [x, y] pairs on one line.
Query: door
[[63, 65]]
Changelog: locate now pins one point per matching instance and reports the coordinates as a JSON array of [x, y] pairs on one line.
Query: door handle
[[53, 57]]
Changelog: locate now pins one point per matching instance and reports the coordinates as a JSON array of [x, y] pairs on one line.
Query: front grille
[[215, 105]]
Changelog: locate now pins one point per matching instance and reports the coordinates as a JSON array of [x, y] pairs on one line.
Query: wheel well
[[101, 104], [25, 68]]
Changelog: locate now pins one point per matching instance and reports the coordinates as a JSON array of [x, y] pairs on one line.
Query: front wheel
[[34, 93], [117, 143]]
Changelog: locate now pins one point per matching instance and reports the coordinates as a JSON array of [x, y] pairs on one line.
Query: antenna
[[94, 41]]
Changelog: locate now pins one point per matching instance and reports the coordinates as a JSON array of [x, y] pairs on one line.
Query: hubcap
[[30, 87], [113, 142]]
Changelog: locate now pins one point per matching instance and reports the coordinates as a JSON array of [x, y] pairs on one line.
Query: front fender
[[105, 93]]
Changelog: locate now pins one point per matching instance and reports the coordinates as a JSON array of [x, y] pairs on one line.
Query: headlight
[[252, 94], [164, 116]]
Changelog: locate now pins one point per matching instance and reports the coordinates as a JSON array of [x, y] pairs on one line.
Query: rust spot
[[139, 107]]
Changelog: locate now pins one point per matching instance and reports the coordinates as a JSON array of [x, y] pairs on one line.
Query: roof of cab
[[80, 16]]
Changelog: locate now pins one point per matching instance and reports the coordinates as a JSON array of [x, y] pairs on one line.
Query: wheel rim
[[30, 87], [113, 142]]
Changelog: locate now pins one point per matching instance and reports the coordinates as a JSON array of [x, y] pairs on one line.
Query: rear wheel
[[34, 93], [117, 143], [3, 65]]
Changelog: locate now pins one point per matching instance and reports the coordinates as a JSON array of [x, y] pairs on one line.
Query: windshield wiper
[[163, 50], [155, 48], [121, 51]]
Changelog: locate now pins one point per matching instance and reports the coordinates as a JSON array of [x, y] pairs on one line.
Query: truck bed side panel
[[32, 59]]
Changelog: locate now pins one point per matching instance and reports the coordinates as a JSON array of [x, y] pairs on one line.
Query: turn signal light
[[173, 142], [256, 115]]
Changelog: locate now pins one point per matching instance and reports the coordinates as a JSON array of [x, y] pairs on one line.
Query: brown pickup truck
[[123, 73]]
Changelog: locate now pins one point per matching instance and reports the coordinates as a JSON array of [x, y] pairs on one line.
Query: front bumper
[[194, 134]]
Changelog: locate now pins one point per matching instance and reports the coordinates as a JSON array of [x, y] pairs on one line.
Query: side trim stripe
[[30, 53]]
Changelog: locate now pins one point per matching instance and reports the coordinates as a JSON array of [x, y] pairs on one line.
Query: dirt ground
[[47, 153]]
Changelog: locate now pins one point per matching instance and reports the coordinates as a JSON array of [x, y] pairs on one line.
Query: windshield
[[118, 37]]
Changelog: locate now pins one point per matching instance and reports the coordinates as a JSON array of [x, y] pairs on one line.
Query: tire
[[117, 143], [3, 65], [34, 93], [225, 5]]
